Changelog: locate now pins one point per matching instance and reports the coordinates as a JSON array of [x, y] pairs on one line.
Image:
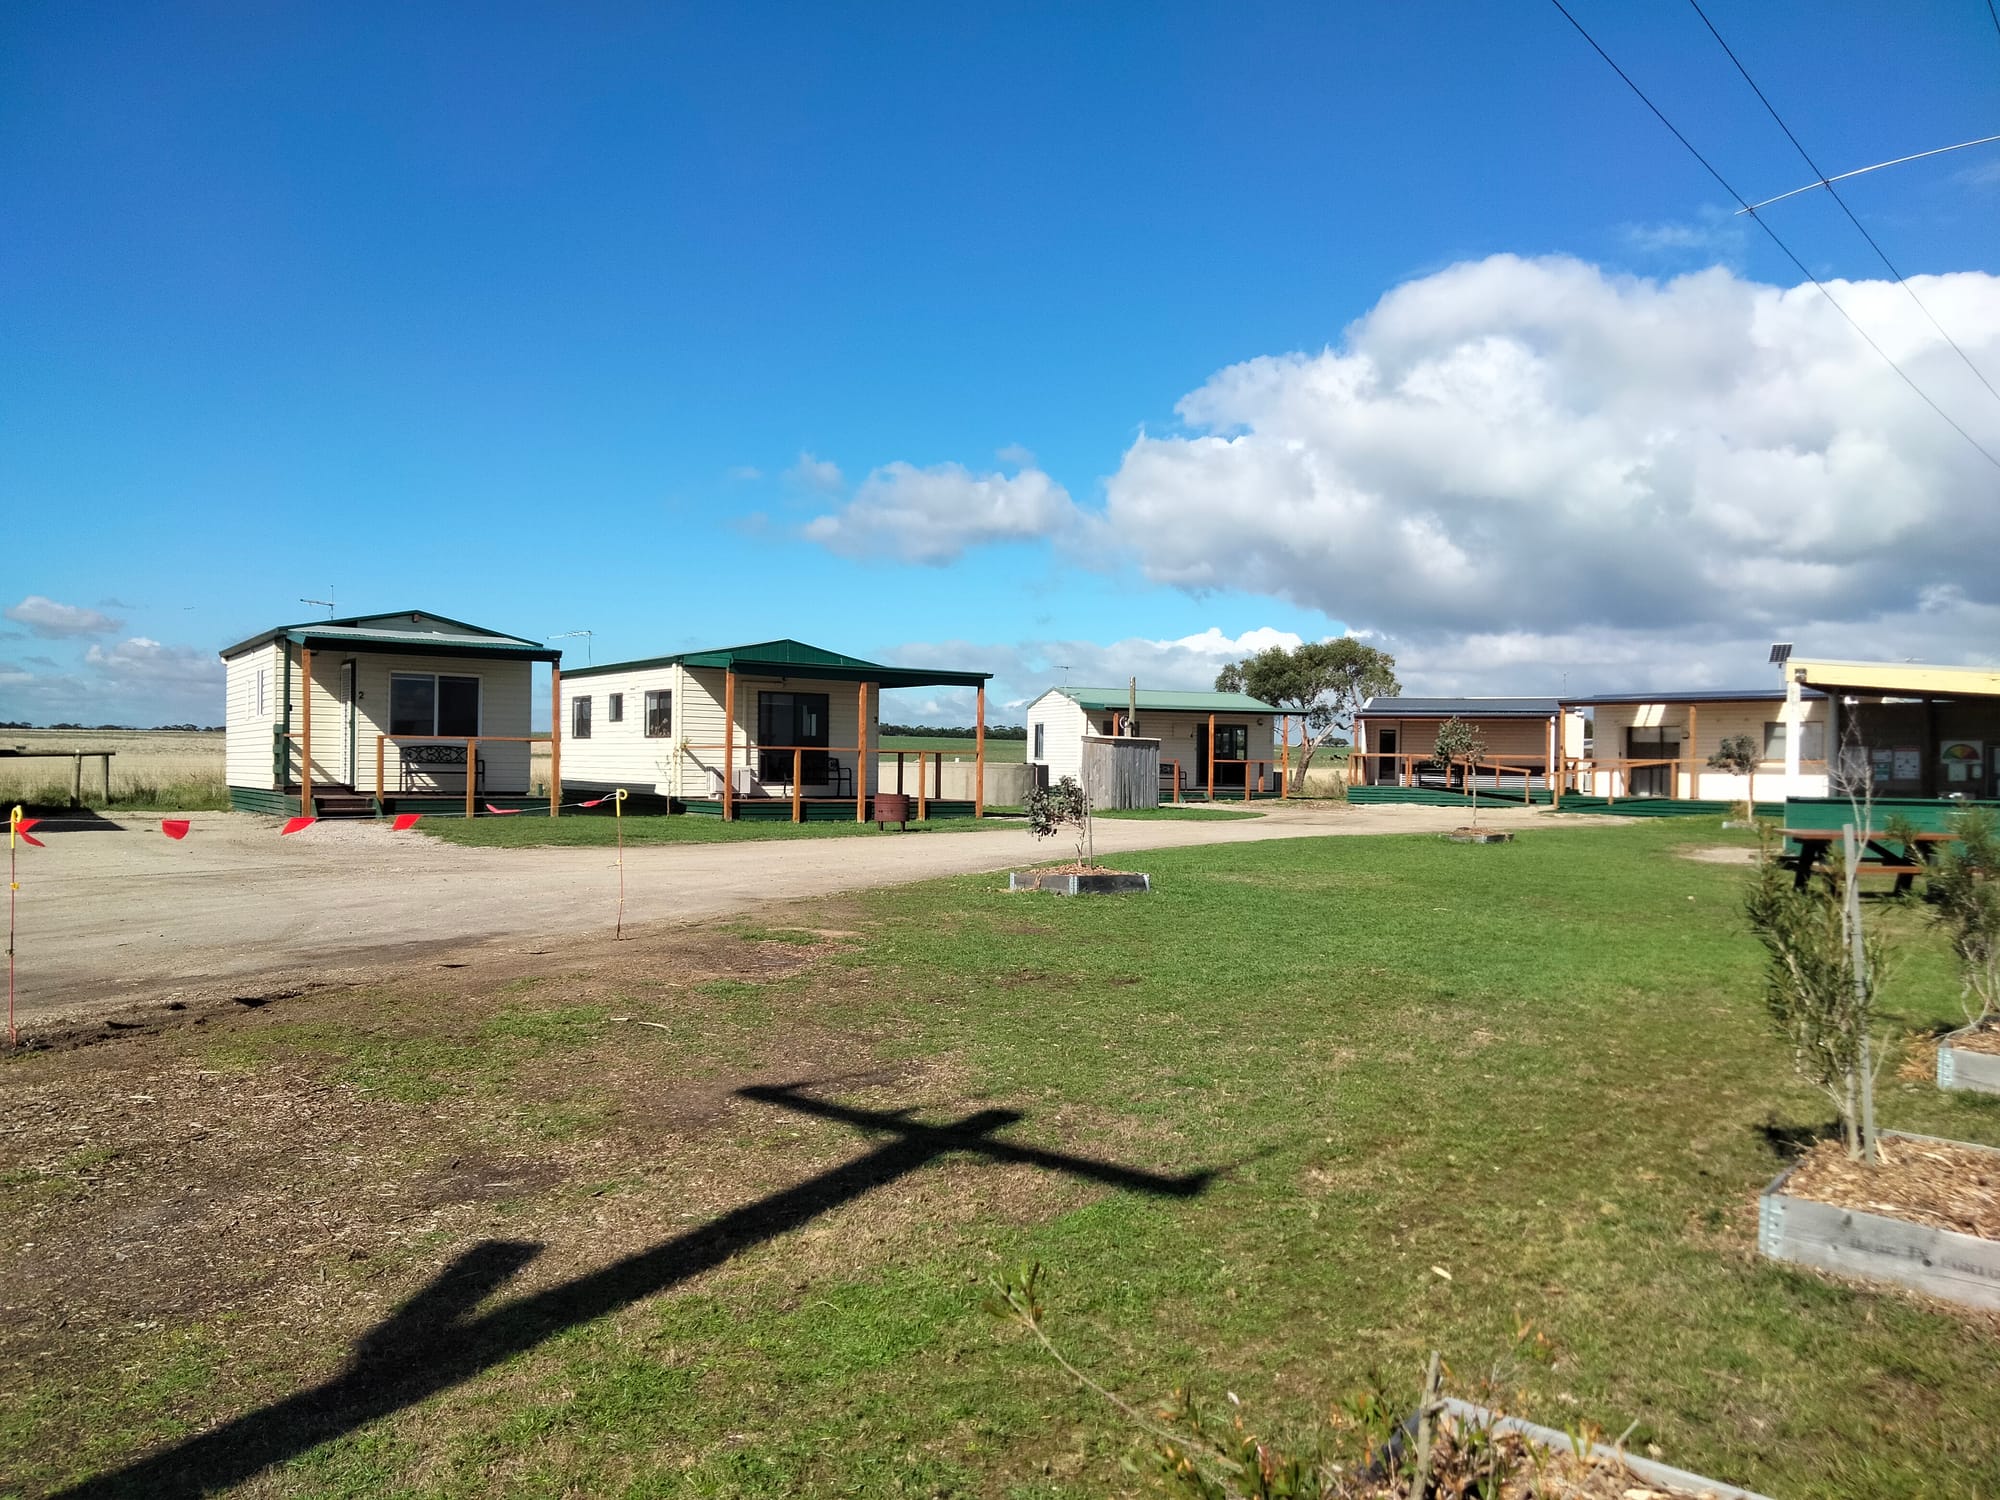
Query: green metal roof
[[789, 658], [347, 633], [1166, 700]]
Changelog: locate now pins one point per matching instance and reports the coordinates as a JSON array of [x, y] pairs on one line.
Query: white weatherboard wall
[[1064, 724], [247, 746], [679, 766]]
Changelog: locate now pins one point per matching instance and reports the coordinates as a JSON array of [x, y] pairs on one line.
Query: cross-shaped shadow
[[431, 1342]]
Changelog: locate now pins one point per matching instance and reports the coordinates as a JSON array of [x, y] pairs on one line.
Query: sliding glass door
[[788, 719]]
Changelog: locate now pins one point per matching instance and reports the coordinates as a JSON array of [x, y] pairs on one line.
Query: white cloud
[[743, 473], [1536, 447], [820, 475], [933, 515], [52, 621], [141, 661]]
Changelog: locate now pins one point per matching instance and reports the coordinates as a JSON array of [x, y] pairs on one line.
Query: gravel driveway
[[112, 918]]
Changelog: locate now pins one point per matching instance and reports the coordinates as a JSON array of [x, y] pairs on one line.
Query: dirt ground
[[119, 919]]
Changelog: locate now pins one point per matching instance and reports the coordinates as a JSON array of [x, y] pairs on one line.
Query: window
[[420, 703], [579, 718], [1111, 726], [1041, 750], [263, 676], [792, 720], [614, 708], [1812, 741], [659, 715]]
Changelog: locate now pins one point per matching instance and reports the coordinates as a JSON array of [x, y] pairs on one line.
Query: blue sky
[[680, 324]]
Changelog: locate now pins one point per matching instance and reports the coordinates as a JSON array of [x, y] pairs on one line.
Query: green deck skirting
[[1431, 796], [262, 800], [1661, 807]]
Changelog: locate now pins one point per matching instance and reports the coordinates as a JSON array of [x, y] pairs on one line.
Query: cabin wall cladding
[[1121, 772]]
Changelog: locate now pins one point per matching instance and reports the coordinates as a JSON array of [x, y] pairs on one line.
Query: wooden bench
[[424, 763]]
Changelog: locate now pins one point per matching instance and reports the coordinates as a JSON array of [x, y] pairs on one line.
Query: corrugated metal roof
[[473, 640], [1707, 695], [1464, 708], [1167, 700], [790, 658]]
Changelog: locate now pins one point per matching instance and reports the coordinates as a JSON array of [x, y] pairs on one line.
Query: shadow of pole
[[431, 1342]]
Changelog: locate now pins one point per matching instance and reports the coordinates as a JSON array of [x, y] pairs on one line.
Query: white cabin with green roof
[[377, 713], [1233, 733]]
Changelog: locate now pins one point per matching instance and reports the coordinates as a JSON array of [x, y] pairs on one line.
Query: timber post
[[306, 733], [555, 739], [728, 743], [861, 753], [1211, 757], [978, 759]]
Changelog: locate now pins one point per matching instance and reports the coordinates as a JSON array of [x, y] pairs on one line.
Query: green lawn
[[594, 830], [996, 750], [1511, 1102]]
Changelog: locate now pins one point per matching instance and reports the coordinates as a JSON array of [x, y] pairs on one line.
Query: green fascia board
[[1161, 700], [398, 645], [794, 659]]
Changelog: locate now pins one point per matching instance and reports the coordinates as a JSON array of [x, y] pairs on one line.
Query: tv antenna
[[1062, 667], [587, 645], [325, 604]]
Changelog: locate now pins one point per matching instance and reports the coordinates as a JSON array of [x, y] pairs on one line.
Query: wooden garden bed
[[1926, 1217]]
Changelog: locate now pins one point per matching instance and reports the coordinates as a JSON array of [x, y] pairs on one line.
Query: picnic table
[[1905, 857]]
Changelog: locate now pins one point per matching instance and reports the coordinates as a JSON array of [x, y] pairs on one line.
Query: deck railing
[[471, 742], [748, 754]]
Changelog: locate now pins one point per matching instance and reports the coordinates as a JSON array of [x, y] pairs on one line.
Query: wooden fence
[[1121, 771]]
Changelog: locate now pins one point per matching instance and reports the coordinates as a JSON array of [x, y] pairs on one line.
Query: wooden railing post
[[471, 778], [979, 758], [729, 743], [306, 724], [555, 740], [798, 770], [1211, 757], [923, 779], [861, 755], [380, 753]]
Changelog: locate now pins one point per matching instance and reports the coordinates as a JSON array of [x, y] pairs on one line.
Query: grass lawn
[[1512, 1102], [996, 750], [585, 830]]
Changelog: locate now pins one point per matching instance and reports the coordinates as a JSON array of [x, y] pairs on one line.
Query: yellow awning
[[1897, 679]]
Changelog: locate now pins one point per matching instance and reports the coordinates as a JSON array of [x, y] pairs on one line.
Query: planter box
[[1081, 885], [1959, 1068], [1959, 1268], [1652, 1473]]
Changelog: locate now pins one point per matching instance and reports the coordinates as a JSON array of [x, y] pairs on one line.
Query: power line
[[1984, 140], [1789, 253], [1825, 182]]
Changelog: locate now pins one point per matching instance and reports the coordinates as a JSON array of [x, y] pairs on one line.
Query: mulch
[[1938, 1183], [1985, 1039], [1078, 867]]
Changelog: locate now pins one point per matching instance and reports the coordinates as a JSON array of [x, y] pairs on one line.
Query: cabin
[[380, 713], [777, 729], [1396, 737], [1913, 730], [1657, 744], [1212, 745]]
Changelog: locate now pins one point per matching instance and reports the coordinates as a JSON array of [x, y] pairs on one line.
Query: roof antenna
[[1062, 667], [587, 635], [325, 604]]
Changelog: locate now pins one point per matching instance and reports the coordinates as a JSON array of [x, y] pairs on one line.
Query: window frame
[[579, 717], [614, 708], [652, 728], [436, 680], [1776, 734], [1041, 742]]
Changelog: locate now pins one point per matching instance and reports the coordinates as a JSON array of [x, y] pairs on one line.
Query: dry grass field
[[149, 768]]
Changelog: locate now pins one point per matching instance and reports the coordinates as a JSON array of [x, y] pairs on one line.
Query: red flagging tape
[[405, 821], [504, 812], [174, 828], [27, 837], [293, 825]]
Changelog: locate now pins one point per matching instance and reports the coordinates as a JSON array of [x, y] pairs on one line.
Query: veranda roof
[[789, 658]]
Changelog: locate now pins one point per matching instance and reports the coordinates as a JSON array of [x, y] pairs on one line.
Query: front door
[[1658, 742], [1232, 749], [347, 724], [783, 721], [1386, 771]]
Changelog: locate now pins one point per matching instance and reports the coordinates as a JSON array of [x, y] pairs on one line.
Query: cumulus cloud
[[52, 621], [820, 475], [933, 515], [1534, 447], [142, 661]]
